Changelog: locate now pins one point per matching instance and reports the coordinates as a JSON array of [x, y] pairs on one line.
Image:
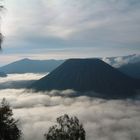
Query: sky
[[58, 29]]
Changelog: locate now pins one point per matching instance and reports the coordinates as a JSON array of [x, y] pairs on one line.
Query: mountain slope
[[88, 75], [131, 69], [31, 66]]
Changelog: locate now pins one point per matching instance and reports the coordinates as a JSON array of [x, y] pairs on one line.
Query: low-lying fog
[[102, 119]]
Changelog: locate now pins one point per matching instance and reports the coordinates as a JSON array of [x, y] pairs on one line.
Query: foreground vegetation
[[67, 128], [8, 125]]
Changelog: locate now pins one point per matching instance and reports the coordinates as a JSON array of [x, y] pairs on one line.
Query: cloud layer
[[122, 60], [19, 81], [102, 119]]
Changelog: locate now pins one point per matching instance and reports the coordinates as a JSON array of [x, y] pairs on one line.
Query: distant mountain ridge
[[131, 69], [129, 65], [88, 75], [2, 74], [31, 66]]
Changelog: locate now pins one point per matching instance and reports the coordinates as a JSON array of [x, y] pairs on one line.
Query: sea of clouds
[[18, 81], [102, 119]]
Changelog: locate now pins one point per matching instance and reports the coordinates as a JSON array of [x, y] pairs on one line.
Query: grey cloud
[[77, 23]]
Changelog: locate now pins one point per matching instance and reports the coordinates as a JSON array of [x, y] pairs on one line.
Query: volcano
[[88, 76]]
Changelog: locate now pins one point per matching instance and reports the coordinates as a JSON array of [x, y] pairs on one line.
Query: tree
[[1, 9], [68, 128], [8, 125]]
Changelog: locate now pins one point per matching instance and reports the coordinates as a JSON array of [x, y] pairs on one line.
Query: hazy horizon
[[3, 63]]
